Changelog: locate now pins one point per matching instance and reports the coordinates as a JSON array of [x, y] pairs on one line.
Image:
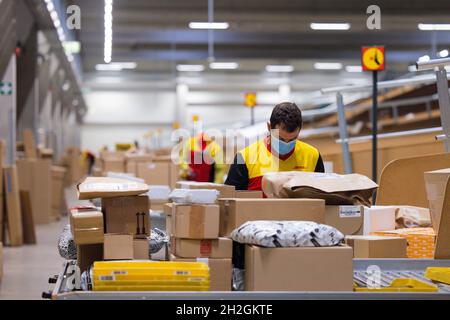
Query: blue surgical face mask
[[280, 147]]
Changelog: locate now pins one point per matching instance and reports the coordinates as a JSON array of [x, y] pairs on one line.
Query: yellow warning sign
[[250, 99], [372, 58]]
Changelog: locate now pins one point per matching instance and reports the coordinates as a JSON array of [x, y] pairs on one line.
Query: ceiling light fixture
[[443, 53], [353, 69], [190, 67], [107, 54], [328, 65], [116, 66], [279, 68], [224, 65], [330, 26], [424, 58], [209, 25], [433, 26]]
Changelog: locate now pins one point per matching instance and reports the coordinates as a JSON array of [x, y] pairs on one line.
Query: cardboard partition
[[87, 254], [220, 248], [442, 250], [86, 226], [235, 212], [154, 173], [195, 221], [13, 209], [299, 269], [29, 144], [58, 175], [128, 215], [376, 247], [347, 219], [219, 270], [29, 232], [435, 185], [118, 247]]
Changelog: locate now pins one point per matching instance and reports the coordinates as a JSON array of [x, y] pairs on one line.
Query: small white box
[[378, 218]]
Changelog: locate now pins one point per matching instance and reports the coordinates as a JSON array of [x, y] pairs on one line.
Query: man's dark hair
[[287, 115]]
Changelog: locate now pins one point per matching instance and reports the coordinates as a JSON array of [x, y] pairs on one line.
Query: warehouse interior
[[102, 102]]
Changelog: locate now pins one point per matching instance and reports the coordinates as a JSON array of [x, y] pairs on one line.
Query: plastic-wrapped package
[[66, 246], [287, 234], [157, 192], [238, 276], [157, 240], [197, 196]]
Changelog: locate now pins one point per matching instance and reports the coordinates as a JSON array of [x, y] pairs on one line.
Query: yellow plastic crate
[[439, 274], [402, 285], [150, 276]]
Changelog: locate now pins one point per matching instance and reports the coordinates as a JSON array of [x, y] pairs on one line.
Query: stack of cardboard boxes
[[118, 231]]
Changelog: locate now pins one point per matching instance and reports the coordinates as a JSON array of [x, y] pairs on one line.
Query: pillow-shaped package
[[274, 234]]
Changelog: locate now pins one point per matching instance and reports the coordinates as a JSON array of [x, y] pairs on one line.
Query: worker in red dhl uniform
[[281, 150], [202, 160]]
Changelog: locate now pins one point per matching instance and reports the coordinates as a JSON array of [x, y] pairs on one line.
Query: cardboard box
[[1, 261], [87, 254], [435, 184], [103, 187], [235, 212], [58, 175], [113, 165], [86, 226], [141, 249], [167, 209], [347, 219], [219, 270], [226, 191], [97, 172], [378, 218], [377, 247], [299, 269], [248, 194], [195, 221], [220, 248], [128, 215], [421, 241], [154, 173], [29, 144], [13, 209], [35, 176], [118, 247], [132, 161]]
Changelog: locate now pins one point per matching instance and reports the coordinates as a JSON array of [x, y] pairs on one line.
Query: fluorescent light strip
[[209, 25], [329, 26], [328, 65], [116, 66], [353, 68], [224, 65], [432, 26], [443, 53], [190, 67], [108, 31], [279, 68], [424, 58]]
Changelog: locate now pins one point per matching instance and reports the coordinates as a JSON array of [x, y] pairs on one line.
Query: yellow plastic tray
[[439, 274], [402, 285]]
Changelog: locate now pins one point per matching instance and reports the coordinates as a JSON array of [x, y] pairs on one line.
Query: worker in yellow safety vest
[[281, 150], [202, 160]]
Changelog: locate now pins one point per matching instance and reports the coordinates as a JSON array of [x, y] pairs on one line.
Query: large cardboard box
[[195, 221], [226, 191], [87, 254], [1, 261], [132, 161], [113, 165], [347, 219], [235, 212], [248, 194], [86, 226], [118, 247], [220, 248], [35, 176], [104, 187], [141, 249], [128, 215], [13, 209], [154, 173], [435, 184], [219, 270], [375, 247], [421, 241], [299, 269]]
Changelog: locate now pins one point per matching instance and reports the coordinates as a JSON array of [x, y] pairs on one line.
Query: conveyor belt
[[389, 269]]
